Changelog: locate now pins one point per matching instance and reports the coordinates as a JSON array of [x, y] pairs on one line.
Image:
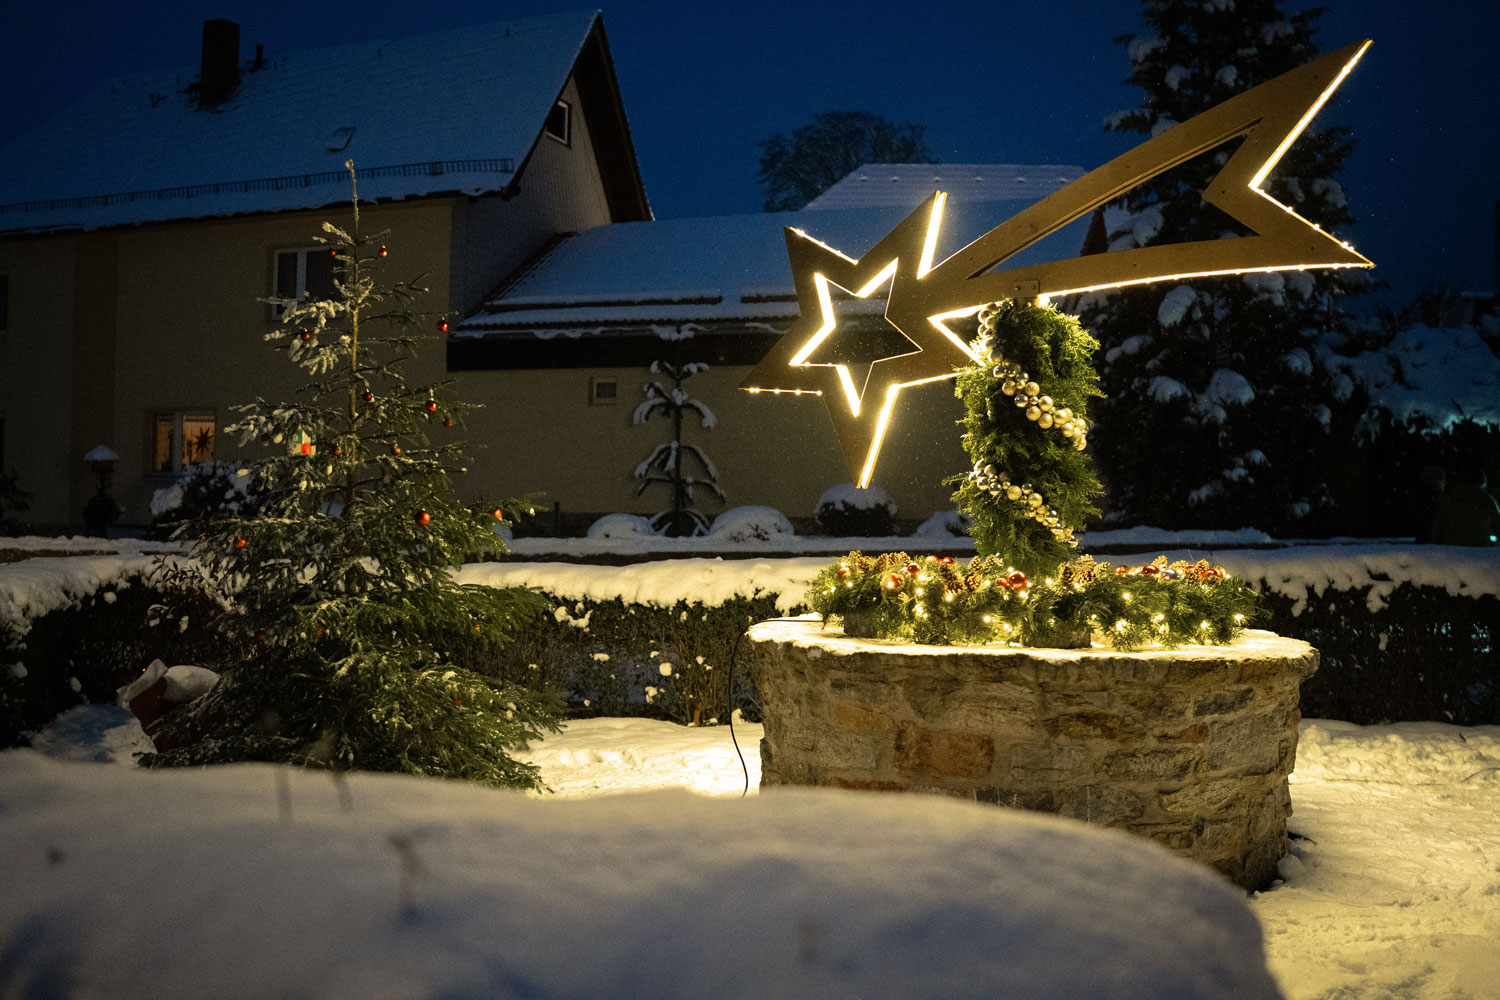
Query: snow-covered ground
[[423, 888], [256, 880]]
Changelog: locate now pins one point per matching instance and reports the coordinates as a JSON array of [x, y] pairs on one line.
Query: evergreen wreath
[[935, 600]]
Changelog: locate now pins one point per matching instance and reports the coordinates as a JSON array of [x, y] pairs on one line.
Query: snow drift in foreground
[[262, 881]]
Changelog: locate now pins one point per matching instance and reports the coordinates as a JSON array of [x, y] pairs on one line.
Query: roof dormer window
[[560, 123]]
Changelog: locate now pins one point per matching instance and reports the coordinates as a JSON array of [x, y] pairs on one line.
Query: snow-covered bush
[[944, 525], [201, 491], [751, 524], [851, 512], [621, 526], [83, 652]]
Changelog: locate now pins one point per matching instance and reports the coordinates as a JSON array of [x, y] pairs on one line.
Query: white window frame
[[300, 281], [567, 130]]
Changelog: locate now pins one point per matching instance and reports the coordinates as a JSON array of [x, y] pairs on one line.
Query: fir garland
[[1025, 429], [937, 601]]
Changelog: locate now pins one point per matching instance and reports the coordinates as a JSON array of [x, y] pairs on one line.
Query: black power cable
[[734, 655]]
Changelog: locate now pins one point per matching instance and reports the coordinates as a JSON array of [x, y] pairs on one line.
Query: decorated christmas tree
[[1220, 407], [368, 654]]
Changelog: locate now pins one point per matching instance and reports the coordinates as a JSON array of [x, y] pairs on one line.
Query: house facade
[[563, 346], [133, 271], [500, 159]]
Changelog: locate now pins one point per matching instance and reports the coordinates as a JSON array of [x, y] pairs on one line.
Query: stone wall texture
[[1190, 747]]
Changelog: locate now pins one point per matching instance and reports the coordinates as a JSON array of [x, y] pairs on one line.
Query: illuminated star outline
[[923, 298]]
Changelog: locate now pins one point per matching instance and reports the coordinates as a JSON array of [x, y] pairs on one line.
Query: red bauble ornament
[[338, 451], [912, 569], [1016, 581], [423, 517], [447, 422], [843, 574], [1121, 571], [332, 252], [306, 336], [383, 252], [240, 543], [442, 326], [395, 449], [946, 560], [1150, 571], [499, 514], [457, 702], [369, 397], [431, 405], [893, 582]]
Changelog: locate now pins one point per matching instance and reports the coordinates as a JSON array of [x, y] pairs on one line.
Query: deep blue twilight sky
[[993, 81]]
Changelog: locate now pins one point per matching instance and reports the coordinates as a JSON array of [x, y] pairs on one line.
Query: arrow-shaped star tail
[[1269, 116]]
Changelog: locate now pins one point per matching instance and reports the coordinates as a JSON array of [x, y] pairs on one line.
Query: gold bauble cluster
[[1038, 408], [1033, 504]]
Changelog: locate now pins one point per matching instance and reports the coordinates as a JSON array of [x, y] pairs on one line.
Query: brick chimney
[[219, 73]]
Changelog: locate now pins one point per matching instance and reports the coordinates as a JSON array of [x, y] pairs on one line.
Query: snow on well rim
[[419, 888]]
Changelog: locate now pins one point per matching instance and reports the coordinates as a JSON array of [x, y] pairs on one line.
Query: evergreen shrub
[[849, 512]]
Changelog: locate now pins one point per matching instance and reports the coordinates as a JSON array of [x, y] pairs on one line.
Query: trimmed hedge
[[1422, 655], [1426, 656]]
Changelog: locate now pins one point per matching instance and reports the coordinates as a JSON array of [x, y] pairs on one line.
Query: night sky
[[1025, 81]]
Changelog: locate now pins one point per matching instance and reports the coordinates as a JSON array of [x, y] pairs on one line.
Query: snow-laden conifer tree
[[1220, 409], [367, 653], [667, 462]]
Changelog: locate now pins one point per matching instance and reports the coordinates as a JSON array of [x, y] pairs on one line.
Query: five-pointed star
[[860, 412]]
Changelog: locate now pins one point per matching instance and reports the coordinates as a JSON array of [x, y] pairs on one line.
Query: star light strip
[[923, 298]]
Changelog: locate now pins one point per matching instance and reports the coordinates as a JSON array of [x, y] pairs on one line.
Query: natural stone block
[[1045, 762], [1223, 702], [943, 753], [930, 696], [1196, 733], [1165, 764], [1095, 725], [1036, 800], [1174, 836], [1104, 805], [861, 784], [1247, 746], [860, 719]]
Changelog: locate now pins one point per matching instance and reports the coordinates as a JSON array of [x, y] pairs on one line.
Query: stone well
[[1190, 747]]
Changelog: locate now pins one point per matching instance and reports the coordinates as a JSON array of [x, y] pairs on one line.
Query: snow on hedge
[[253, 880], [662, 583], [34, 587], [1293, 572]]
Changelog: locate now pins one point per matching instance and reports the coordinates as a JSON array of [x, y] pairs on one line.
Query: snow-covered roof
[[907, 184], [454, 110], [728, 269]]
